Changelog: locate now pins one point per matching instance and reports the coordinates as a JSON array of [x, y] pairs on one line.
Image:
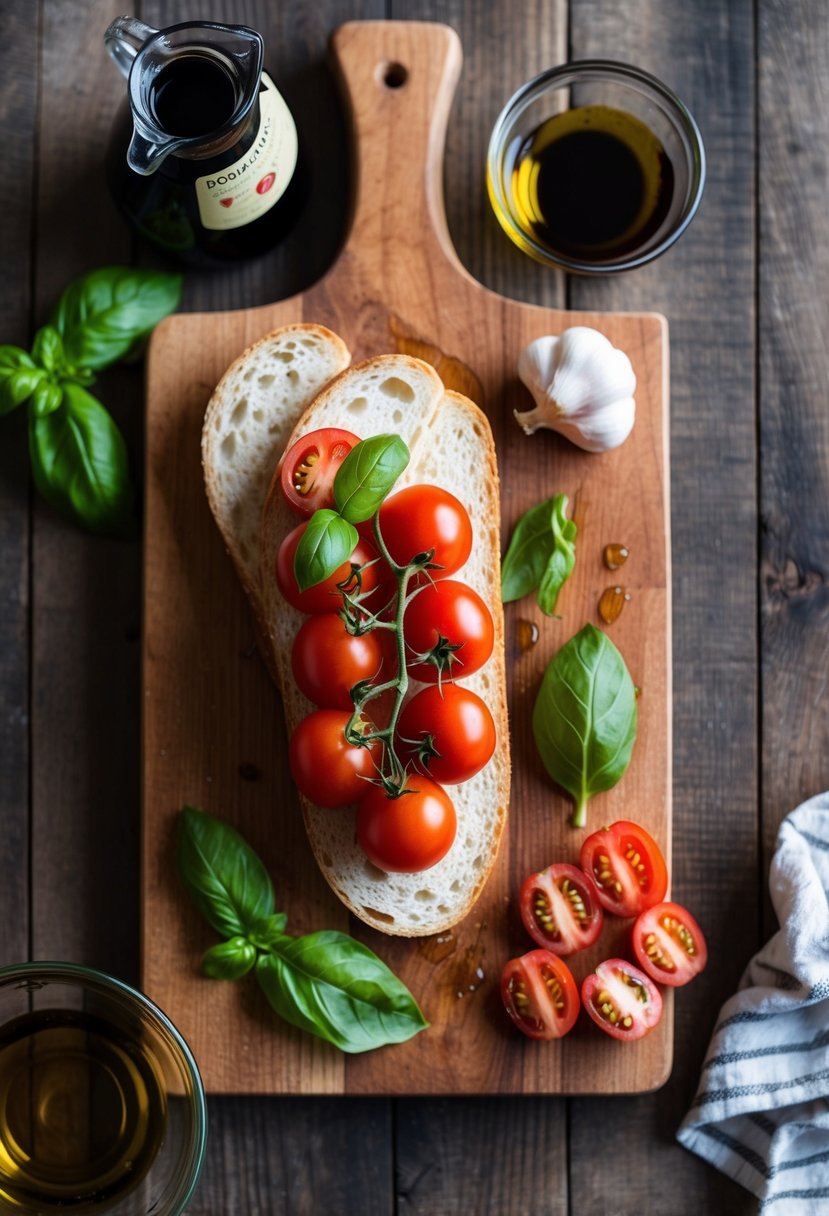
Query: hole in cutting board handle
[[392, 75]]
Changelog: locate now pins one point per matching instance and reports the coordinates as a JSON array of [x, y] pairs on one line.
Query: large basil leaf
[[541, 554], [102, 316], [226, 880], [19, 377], [367, 474], [331, 985], [584, 719], [327, 542], [79, 463]]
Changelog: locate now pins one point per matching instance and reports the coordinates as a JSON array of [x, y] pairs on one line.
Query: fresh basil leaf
[[47, 349], [334, 987], [268, 930], [79, 463], [327, 542], [19, 377], [104, 314], [584, 720], [229, 960], [562, 559], [367, 474], [225, 878], [46, 398], [541, 554]]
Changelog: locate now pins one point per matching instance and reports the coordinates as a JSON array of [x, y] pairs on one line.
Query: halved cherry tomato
[[448, 731], [309, 467], [327, 661], [621, 1000], [560, 909], [325, 597], [451, 623], [540, 995], [669, 945], [409, 833], [627, 866], [327, 769], [421, 518]]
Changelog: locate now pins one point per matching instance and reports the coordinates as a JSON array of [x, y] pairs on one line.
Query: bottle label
[[245, 190]]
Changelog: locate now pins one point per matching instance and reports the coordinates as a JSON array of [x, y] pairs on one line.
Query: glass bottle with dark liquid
[[204, 161]]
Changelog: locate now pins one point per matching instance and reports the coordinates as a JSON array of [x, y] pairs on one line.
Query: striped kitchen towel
[[761, 1114]]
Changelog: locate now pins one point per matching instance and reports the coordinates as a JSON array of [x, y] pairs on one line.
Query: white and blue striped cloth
[[761, 1114]]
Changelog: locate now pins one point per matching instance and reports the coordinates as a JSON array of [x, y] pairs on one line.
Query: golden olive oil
[[592, 183], [82, 1112]]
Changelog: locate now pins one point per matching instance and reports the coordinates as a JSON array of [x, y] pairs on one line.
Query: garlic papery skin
[[583, 388]]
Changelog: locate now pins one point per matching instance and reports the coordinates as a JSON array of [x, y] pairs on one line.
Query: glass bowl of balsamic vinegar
[[595, 167], [102, 1108]]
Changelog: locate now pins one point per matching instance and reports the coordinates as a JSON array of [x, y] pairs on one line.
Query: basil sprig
[[584, 720], [541, 554], [325, 983], [362, 482], [79, 460]]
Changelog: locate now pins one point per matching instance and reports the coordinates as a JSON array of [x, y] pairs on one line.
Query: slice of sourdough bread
[[252, 412], [451, 446]]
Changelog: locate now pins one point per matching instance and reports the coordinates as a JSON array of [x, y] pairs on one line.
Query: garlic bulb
[[583, 387]]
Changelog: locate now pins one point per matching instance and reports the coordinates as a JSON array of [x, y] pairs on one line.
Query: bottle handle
[[124, 39]]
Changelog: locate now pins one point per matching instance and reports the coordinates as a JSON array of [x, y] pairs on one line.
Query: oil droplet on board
[[611, 603], [527, 634], [615, 556], [436, 949]]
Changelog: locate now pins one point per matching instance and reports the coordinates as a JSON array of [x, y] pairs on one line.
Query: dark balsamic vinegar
[[192, 96], [592, 183]]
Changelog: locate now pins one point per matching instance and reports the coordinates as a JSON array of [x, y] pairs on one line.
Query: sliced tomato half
[[540, 994], [309, 467], [669, 945], [560, 909], [621, 999], [627, 866]]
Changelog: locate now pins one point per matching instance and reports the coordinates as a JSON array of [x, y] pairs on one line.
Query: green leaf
[[46, 398], [229, 960], [327, 542], [47, 349], [268, 930], [367, 474], [584, 720], [104, 314], [334, 987], [79, 462], [19, 377], [541, 554], [562, 559], [225, 878]]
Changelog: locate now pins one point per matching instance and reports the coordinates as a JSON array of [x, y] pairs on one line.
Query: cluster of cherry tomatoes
[[445, 733], [621, 871]]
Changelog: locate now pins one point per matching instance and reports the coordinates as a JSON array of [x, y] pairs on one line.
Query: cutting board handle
[[398, 80]]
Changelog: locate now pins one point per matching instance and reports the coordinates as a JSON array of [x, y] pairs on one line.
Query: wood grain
[[203, 705], [705, 286], [794, 427], [18, 86]]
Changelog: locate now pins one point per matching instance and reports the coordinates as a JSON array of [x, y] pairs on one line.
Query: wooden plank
[[201, 704], [84, 590], [794, 429], [18, 94], [705, 287]]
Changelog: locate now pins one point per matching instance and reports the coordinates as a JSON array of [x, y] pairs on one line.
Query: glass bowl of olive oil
[[595, 167], [102, 1108]]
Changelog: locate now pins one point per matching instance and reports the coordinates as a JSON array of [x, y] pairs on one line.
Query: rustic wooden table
[[746, 297]]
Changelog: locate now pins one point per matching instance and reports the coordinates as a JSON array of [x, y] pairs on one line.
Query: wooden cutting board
[[213, 730]]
